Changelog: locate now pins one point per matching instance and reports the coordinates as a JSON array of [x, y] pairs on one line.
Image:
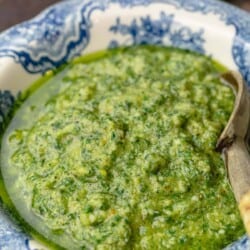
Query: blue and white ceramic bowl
[[74, 27]]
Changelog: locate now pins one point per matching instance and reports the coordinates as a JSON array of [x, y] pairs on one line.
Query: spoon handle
[[238, 163]]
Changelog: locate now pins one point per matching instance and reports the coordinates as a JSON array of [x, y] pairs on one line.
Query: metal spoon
[[233, 144]]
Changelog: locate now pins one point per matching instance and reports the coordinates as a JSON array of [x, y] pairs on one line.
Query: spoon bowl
[[233, 144]]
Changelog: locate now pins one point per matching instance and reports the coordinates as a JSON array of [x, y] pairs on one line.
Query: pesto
[[117, 152]]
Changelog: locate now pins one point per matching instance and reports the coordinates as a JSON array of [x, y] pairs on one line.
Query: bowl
[[76, 27]]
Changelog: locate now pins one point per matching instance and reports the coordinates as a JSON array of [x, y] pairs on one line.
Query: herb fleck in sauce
[[118, 153]]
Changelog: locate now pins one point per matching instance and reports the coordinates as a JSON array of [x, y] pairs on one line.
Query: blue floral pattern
[[7, 101], [163, 31], [52, 38], [11, 237], [242, 244], [65, 35]]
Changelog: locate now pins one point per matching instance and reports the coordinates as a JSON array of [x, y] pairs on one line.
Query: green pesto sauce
[[117, 152]]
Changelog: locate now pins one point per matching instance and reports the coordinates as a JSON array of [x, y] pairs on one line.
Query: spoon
[[233, 144]]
